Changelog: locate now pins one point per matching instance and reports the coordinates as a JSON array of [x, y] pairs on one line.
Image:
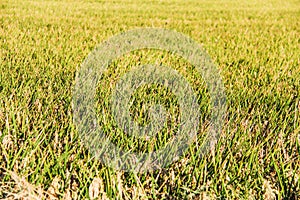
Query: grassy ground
[[255, 44]]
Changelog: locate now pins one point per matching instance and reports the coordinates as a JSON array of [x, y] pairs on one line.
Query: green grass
[[255, 44]]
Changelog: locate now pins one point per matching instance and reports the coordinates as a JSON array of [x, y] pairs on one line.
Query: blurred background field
[[255, 44]]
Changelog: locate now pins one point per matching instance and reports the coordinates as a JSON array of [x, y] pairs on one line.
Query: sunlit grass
[[255, 44]]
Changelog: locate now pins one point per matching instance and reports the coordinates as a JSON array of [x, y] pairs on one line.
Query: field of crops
[[254, 44]]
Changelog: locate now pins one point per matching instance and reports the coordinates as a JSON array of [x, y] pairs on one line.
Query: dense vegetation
[[255, 44]]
